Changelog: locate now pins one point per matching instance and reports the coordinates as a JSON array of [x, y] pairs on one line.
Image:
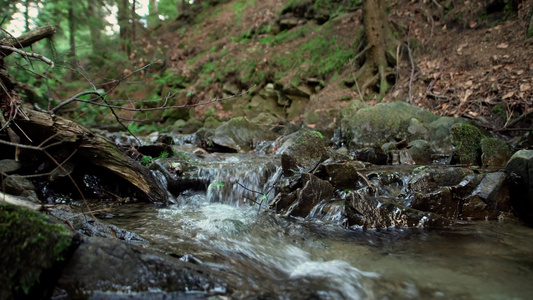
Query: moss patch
[[467, 140], [30, 244]]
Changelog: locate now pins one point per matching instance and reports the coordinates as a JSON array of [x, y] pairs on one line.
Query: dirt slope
[[468, 61]]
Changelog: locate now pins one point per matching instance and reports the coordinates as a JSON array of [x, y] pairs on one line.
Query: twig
[[523, 116], [30, 54]]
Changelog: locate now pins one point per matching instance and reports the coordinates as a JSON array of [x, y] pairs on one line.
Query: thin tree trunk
[[27, 15], [72, 29], [96, 31], [153, 13], [123, 23], [133, 20]]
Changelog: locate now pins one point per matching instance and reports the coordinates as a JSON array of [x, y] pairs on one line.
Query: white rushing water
[[275, 257]]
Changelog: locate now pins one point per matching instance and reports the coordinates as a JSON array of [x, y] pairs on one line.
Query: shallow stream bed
[[272, 257]]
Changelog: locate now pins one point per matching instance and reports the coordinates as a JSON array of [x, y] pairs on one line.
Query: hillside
[[297, 57]]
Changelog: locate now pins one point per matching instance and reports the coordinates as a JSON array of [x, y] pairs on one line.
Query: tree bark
[[153, 13], [94, 149], [374, 70]]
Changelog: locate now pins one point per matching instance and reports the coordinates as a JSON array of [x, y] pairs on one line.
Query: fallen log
[[93, 149]]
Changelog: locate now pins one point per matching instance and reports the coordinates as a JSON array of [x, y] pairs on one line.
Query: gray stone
[[384, 122], [8, 166], [241, 135], [520, 170], [420, 151]]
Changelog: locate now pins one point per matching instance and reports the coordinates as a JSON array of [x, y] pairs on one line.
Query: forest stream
[[293, 258]]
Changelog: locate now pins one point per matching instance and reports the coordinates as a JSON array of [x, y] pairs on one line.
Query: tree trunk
[[27, 15], [153, 13], [379, 41], [72, 29], [124, 24], [133, 21], [94, 149], [95, 12]]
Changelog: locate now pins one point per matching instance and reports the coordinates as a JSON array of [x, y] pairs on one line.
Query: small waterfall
[[241, 179]]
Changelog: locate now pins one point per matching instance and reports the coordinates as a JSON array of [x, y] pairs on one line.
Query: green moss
[[30, 244], [467, 141]]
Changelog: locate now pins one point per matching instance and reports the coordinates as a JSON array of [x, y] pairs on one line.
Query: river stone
[[370, 212], [420, 152], [384, 122], [100, 264], [17, 185], [297, 107], [430, 179], [241, 135], [372, 155], [32, 246], [342, 175], [496, 152], [300, 202], [440, 202], [303, 149], [467, 140], [9, 166], [520, 170]]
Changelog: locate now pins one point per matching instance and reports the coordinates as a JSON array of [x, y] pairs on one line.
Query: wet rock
[[520, 170], [420, 152], [440, 202], [241, 135], [86, 225], [33, 247], [8, 166], [370, 212], [496, 152], [374, 156], [17, 185], [112, 266], [430, 179], [303, 149], [467, 141], [300, 202], [341, 175]]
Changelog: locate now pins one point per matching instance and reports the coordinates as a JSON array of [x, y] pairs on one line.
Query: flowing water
[[274, 257]]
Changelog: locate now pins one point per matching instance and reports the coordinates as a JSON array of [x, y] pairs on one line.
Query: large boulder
[[32, 246], [520, 170], [241, 135], [362, 125], [114, 267], [302, 150]]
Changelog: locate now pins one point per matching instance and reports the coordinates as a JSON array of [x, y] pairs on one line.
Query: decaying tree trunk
[[380, 44], [98, 151], [25, 126]]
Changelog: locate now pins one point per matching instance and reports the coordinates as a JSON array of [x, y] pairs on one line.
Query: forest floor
[[471, 63]]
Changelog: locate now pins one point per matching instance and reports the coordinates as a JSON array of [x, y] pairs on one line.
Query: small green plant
[[218, 184], [318, 133]]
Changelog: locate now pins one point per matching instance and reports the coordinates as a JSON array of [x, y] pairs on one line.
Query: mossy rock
[[467, 140], [496, 152], [211, 122], [370, 126], [241, 135], [31, 244]]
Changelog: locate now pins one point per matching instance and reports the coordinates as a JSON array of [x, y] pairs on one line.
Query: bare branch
[[28, 54]]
